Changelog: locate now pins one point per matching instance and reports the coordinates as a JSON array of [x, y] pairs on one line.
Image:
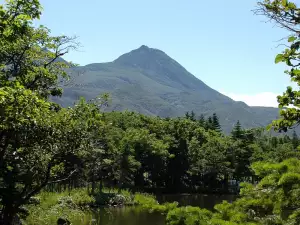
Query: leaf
[[279, 58], [284, 3], [9, 168], [292, 39], [269, 127]]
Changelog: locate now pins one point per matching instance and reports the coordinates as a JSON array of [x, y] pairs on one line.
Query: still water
[[126, 216], [136, 216], [202, 201]]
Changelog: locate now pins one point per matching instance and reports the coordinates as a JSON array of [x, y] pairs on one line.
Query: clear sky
[[221, 42]]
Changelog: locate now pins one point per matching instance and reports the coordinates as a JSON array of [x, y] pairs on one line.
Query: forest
[[45, 148]]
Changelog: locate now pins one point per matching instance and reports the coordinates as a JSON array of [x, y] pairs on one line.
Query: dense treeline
[[178, 154]]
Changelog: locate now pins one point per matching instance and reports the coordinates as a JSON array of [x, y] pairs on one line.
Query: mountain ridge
[[148, 81]]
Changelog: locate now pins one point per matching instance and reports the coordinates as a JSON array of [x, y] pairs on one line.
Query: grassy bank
[[69, 205], [72, 205]]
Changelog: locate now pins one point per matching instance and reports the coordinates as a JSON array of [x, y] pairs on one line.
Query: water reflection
[[137, 216], [200, 200], [126, 216]]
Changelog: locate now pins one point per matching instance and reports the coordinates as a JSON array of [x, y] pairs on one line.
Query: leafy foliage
[[286, 14]]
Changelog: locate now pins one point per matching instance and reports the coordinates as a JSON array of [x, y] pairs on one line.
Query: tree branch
[[39, 188], [279, 18], [57, 55], [63, 179], [44, 183]]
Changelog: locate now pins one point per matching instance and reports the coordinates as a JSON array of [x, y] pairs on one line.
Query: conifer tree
[[237, 131], [215, 123], [187, 115], [209, 123], [193, 116], [201, 120]]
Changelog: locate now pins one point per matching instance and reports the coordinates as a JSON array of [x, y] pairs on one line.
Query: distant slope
[[148, 81]]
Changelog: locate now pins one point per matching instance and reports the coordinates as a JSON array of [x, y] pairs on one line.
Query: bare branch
[[57, 55], [283, 18], [282, 45], [63, 179]]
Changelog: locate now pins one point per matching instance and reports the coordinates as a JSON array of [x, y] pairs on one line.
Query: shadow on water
[[137, 216], [207, 201], [126, 216]]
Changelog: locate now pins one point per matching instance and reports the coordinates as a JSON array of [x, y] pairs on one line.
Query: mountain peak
[[144, 47], [158, 65], [142, 57]]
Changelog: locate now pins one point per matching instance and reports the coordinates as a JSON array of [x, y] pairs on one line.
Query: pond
[[137, 216], [126, 216]]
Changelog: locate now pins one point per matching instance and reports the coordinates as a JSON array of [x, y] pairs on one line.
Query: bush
[[117, 200], [66, 205], [189, 216], [150, 203]]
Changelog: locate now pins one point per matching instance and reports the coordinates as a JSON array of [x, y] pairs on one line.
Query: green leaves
[[30, 72], [292, 39], [264, 203], [289, 179], [284, 3], [33, 55], [279, 58], [284, 13]]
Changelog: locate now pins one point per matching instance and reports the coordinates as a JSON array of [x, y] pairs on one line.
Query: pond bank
[[73, 205], [79, 207]]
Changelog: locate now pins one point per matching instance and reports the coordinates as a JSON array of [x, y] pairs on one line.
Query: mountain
[[148, 81]]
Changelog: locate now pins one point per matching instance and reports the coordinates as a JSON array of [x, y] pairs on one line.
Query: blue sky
[[221, 42]]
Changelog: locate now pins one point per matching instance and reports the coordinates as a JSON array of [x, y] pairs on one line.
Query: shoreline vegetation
[[273, 200], [73, 205]]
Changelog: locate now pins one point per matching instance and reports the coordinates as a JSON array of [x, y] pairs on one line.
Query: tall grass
[[68, 205], [73, 205]]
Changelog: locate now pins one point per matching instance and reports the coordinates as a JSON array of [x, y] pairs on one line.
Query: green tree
[[214, 162], [178, 165], [274, 200], [193, 116], [33, 139], [215, 123], [29, 55], [274, 142], [258, 205], [187, 115], [201, 120], [35, 143], [190, 116], [237, 131], [209, 123], [286, 14]]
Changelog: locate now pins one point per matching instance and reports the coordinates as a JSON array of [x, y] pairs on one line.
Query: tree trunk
[[226, 178], [101, 186], [93, 187], [7, 216]]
